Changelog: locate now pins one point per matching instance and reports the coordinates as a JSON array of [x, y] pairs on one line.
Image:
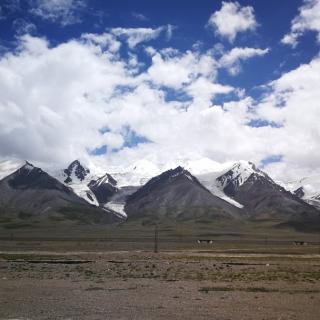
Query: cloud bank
[[153, 104]]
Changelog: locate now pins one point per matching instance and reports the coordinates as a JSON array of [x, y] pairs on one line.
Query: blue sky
[[183, 64], [189, 19]]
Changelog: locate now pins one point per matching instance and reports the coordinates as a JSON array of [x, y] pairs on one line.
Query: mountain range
[[197, 190]]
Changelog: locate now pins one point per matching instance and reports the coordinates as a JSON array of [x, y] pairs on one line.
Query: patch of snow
[[135, 175], [188, 176], [119, 215], [209, 180], [204, 165], [84, 192], [117, 207]]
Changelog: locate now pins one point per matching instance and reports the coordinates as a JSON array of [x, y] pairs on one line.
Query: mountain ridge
[[176, 193], [31, 192], [239, 188]]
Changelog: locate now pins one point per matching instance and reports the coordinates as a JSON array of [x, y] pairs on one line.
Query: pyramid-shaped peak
[[106, 178], [28, 163], [178, 169], [172, 174], [245, 164], [240, 172], [175, 172], [244, 167], [76, 171], [28, 166], [75, 163]]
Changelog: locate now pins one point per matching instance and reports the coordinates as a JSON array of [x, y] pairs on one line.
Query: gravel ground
[[138, 285]]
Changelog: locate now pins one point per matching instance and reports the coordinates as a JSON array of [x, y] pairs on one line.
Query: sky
[[117, 82]]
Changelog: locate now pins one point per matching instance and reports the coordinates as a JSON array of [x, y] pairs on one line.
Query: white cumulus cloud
[[307, 19], [231, 19], [232, 59], [294, 104], [51, 106]]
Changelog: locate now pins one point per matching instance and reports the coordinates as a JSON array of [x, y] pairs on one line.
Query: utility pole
[[156, 238]]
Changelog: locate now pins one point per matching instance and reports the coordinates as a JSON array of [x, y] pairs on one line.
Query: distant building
[[300, 243], [205, 241]]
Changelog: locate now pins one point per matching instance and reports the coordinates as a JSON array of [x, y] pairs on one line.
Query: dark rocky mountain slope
[[179, 195], [31, 192], [262, 197]]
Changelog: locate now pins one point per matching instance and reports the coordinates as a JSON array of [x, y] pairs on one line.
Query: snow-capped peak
[[240, 172], [85, 183], [221, 174], [306, 188], [136, 174], [78, 176], [310, 186]]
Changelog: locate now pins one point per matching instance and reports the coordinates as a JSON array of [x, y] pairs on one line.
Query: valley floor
[[211, 283]]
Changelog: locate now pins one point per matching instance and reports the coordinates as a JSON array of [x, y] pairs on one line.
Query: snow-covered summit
[[86, 184], [307, 188], [222, 174], [140, 172], [239, 173], [309, 185], [77, 176], [136, 174]]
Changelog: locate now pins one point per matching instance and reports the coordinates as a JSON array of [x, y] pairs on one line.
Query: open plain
[[105, 278]]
